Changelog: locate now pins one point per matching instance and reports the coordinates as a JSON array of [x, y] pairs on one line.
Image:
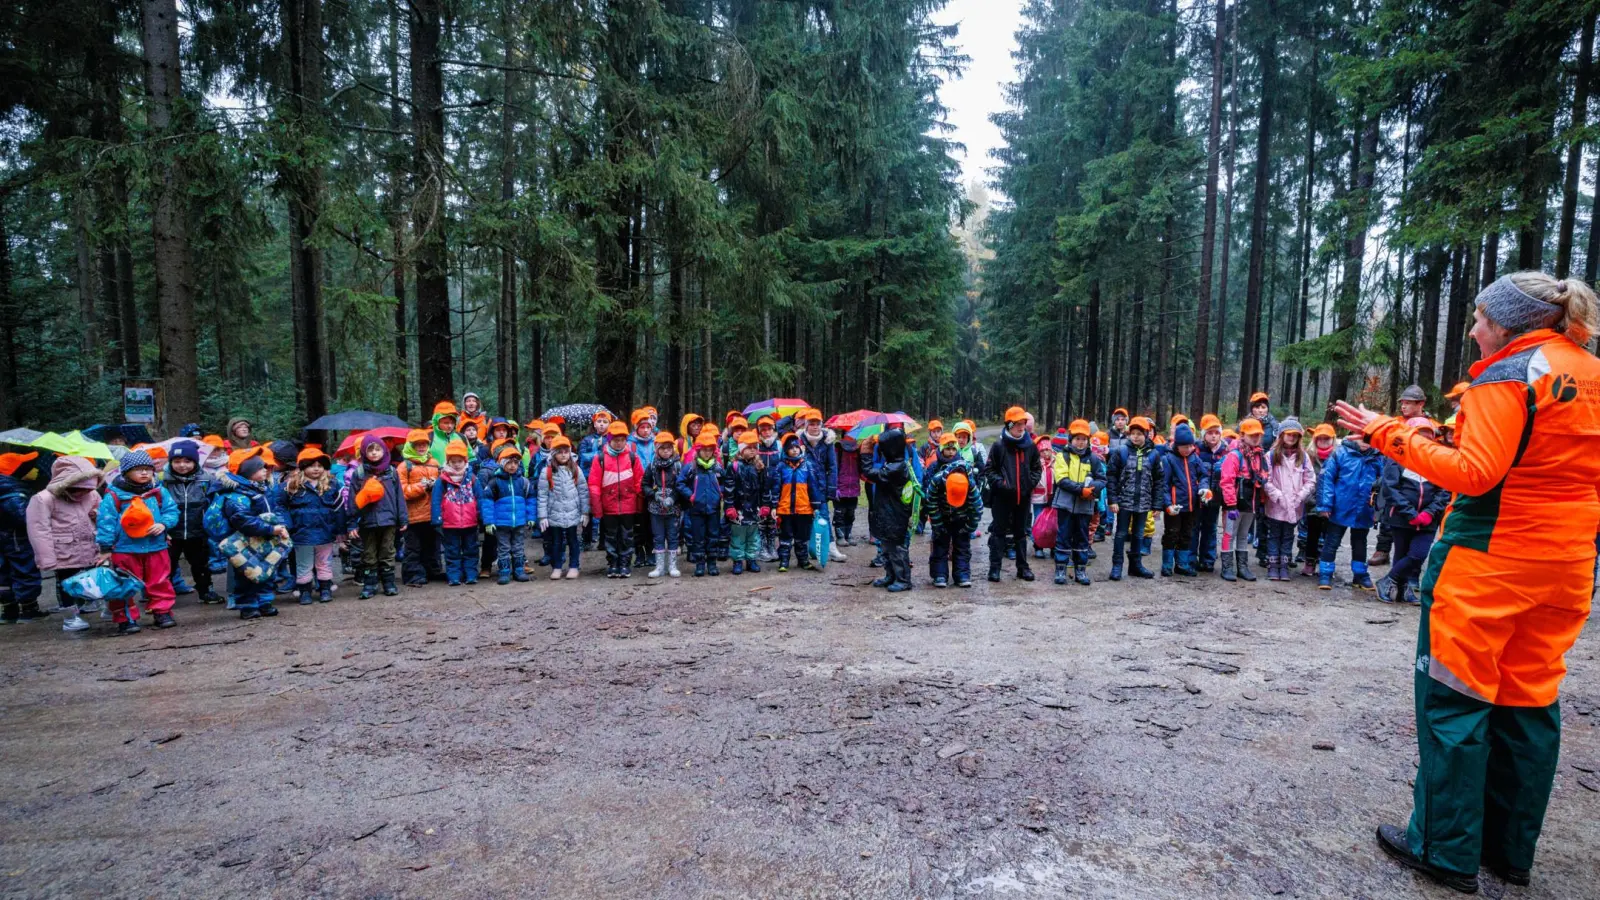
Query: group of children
[[467, 494], [1266, 485]]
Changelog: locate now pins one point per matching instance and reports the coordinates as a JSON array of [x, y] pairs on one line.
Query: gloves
[[766, 512], [1172, 510], [1205, 496], [733, 515], [1233, 515], [1422, 519], [488, 529], [1087, 491]]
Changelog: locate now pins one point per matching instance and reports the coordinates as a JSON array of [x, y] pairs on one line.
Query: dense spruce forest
[[283, 207]]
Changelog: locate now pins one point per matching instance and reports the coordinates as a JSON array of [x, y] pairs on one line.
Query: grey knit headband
[[1514, 309]]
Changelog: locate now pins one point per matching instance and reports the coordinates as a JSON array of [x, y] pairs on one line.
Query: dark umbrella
[[578, 415], [355, 420]]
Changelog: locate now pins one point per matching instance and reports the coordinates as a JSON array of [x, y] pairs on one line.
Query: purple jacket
[[849, 470]]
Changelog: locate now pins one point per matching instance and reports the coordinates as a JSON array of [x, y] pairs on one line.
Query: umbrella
[[355, 420], [393, 437], [850, 419], [577, 415], [82, 446], [873, 425], [22, 437], [776, 408]]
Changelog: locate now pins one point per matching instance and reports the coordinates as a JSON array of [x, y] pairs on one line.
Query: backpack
[[216, 518]]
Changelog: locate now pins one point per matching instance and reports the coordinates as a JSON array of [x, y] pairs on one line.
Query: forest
[[1296, 196], [285, 207]]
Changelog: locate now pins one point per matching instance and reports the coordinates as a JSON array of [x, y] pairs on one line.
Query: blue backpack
[[216, 518]]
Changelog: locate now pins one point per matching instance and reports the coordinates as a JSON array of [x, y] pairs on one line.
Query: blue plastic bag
[[103, 583], [821, 540]]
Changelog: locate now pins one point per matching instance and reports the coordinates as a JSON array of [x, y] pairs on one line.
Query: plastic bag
[[1044, 529], [100, 583], [821, 540]]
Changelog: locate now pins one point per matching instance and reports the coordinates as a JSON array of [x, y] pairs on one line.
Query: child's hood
[[71, 472]]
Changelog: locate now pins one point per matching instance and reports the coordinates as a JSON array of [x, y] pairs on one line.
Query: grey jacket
[[563, 497]]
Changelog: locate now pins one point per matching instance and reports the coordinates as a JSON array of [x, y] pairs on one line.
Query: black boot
[[1024, 573], [1136, 567], [30, 611], [369, 585], [9, 614], [1392, 839]]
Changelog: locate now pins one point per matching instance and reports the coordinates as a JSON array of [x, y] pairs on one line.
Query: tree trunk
[[397, 218], [180, 374], [505, 320], [1165, 334], [303, 43], [1208, 233], [1249, 373], [1231, 156], [1091, 363], [1305, 226], [1363, 165], [435, 375], [1455, 327], [1432, 282], [1580, 116], [1135, 396], [10, 396]]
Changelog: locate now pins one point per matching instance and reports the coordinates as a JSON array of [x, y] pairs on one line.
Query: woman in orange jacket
[[1507, 585]]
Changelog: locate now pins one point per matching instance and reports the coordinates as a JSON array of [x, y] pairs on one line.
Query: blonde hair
[[1580, 312]]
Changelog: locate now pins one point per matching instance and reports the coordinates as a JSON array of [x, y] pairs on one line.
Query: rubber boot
[[711, 569], [1243, 566], [369, 585], [1185, 564], [1116, 571], [834, 555], [754, 565], [1081, 574], [738, 567], [1061, 573], [994, 572], [1359, 579], [303, 593], [661, 564], [1324, 576], [1228, 573], [1137, 569], [1310, 568], [389, 590], [1024, 571], [1166, 562], [324, 591], [672, 564], [700, 568]]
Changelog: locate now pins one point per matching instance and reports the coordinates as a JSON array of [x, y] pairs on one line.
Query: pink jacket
[[61, 517], [1289, 486]]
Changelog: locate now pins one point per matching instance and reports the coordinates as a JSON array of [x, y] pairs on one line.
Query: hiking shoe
[[1378, 558], [753, 566], [1392, 839], [1518, 877], [267, 609], [128, 628], [165, 620], [249, 613], [964, 581], [1385, 588], [1061, 573]]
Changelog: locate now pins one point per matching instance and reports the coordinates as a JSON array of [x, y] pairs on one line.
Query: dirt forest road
[[798, 735]]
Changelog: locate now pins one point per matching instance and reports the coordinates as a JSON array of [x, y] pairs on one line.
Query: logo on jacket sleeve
[[1563, 389]]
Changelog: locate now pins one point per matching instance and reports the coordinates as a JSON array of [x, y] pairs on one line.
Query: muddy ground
[[798, 735]]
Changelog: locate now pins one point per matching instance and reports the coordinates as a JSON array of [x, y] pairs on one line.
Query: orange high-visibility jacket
[[1526, 471]]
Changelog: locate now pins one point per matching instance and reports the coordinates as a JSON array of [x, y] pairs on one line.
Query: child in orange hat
[[455, 514], [418, 473], [131, 533], [377, 513]]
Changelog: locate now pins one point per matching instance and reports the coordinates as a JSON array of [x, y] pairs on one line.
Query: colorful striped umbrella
[[776, 408], [850, 419], [874, 425]]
